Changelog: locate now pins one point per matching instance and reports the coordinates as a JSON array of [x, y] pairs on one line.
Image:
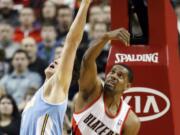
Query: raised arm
[[57, 87], [88, 74], [71, 44]]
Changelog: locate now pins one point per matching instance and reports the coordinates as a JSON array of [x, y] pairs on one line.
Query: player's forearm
[[95, 50], [71, 44], [75, 33]]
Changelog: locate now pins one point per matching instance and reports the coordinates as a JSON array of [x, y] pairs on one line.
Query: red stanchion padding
[[155, 94]]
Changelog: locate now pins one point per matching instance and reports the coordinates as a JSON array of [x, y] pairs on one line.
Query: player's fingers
[[123, 38], [126, 36]]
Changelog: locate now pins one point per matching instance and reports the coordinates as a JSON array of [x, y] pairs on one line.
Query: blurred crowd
[[32, 34]]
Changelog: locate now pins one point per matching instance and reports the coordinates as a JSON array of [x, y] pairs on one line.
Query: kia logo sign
[[145, 101]]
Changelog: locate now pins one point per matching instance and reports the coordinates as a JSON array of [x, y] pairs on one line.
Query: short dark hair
[[130, 72], [20, 51]]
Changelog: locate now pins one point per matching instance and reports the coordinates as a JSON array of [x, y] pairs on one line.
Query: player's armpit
[[50, 93]]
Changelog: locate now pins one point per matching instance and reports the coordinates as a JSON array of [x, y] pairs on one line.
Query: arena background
[[153, 54]]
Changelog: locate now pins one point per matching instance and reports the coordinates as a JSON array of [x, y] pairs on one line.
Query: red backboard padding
[[159, 70]]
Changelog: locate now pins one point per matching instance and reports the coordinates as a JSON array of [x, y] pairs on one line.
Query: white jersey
[[94, 120]]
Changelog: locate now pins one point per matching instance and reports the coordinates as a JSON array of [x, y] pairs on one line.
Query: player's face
[[6, 107], [117, 79], [51, 69]]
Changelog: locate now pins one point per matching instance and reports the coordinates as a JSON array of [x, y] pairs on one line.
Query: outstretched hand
[[120, 34]]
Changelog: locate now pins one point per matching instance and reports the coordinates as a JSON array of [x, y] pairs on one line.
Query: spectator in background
[[58, 51], [64, 21], [6, 40], [2, 91], [26, 29], [34, 4], [174, 2], [107, 15], [7, 13], [36, 64], [17, 2], [10, 118], [95, 15], [48, 13], [18, 82], [28, 96], [70, 3], [98, 30], [4, 66], [47, 47]]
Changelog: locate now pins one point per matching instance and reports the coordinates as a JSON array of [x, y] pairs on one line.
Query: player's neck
[[112, 98]]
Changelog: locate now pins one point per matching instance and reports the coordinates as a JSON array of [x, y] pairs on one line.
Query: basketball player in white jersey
[[100, 109], [44, 114]]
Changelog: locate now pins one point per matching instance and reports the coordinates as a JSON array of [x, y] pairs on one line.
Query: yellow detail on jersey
[[44, 124]]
